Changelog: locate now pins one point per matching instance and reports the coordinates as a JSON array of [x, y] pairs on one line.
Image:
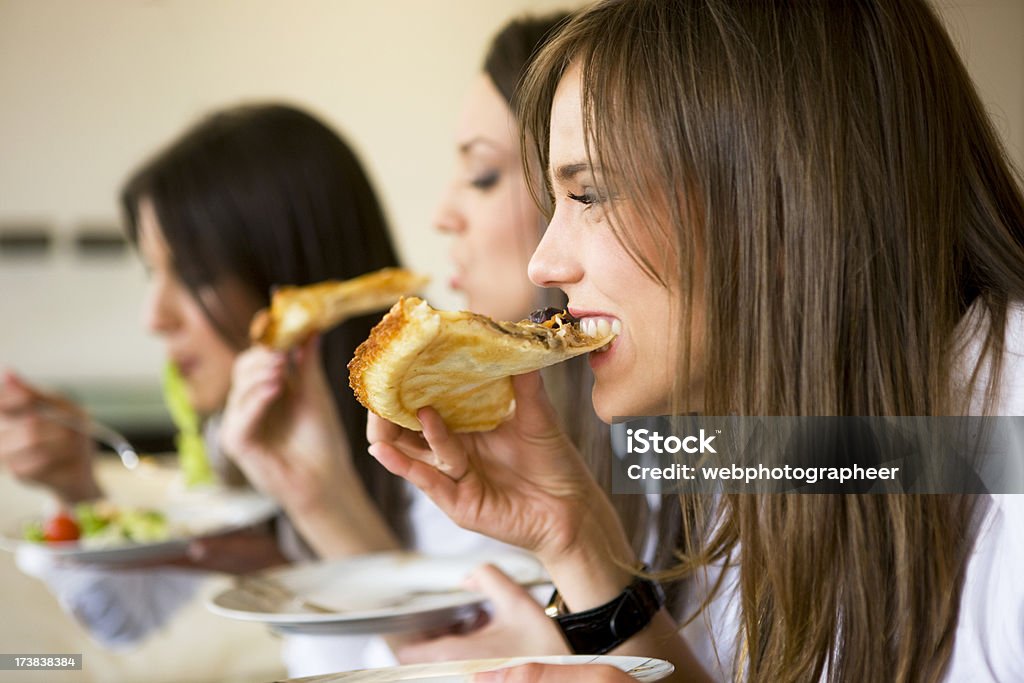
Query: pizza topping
[[553, 318], [549, 317]]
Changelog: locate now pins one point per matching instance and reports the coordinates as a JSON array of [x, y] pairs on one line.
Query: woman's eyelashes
[[485, 181], [588, 197]]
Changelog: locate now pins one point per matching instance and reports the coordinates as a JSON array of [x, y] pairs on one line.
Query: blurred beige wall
[[87, 89]]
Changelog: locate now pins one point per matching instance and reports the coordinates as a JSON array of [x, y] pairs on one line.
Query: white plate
[[193, 514], [377, 593], [640, 668]]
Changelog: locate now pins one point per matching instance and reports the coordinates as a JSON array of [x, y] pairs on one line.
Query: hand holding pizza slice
[[458, 363]]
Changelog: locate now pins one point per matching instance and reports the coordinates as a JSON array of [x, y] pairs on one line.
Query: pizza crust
[[297, 312], [459, 363]]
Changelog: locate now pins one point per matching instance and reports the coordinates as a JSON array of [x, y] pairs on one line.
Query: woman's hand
[[517, 626], [40, 450], [523, 483], [282, 429], [553, 673]]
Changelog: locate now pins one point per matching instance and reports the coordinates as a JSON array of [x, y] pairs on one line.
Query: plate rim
[[295, 621]]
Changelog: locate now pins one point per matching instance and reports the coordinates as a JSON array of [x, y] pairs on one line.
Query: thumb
[[307, 359], [17, 386], [17, 394], [506, 595], [533, 407]]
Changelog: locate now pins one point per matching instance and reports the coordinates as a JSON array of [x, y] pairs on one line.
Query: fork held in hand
[[95, 430]]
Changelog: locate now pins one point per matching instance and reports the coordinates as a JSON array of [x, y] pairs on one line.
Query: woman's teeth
[[600, 326]]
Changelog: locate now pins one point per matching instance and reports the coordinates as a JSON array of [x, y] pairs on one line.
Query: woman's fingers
[[439, 487], [379, 429], [449, 454], [507, 596], [554, 673], [258, 379], [533, 407]]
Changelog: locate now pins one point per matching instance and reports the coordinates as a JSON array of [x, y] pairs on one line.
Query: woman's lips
[[186, 366]]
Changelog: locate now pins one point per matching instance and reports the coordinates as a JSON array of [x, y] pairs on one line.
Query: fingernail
[[374, 451]]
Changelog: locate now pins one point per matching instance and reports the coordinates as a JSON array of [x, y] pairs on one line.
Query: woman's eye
[[587, 198], [485, 181]]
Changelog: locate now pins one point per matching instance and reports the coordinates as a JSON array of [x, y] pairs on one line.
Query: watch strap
[[601, 629]]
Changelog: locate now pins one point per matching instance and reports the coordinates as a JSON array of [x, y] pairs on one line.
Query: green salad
[[101, 523]]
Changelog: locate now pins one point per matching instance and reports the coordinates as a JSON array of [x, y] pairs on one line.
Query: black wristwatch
[[602, 629]]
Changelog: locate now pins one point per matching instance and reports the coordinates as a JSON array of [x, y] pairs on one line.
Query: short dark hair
[[263, 196]]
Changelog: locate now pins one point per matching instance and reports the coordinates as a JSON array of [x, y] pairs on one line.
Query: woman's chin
[[608, 406], [203, 403], [611, 403]]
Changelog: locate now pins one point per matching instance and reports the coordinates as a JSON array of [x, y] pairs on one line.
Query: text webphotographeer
[[807, 475]]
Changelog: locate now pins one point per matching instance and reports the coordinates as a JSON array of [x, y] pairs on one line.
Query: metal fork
[[96, 430]]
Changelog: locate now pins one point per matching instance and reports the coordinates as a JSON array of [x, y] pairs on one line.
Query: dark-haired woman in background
[[249, 198]]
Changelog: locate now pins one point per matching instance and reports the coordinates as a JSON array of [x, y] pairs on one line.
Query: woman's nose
[[448, 218], [159, 313], [555, 263]]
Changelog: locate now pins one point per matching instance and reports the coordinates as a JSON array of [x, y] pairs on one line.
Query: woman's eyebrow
[[567, 172], [465, 147]]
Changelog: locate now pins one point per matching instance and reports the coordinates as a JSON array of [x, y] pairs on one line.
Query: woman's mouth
[[186, 366], [601, 326]]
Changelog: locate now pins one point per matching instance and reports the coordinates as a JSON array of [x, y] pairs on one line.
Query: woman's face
[[581, 255], [488, 210], [192, 342]]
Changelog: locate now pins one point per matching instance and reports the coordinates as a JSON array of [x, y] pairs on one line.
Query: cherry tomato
[[61, 528]]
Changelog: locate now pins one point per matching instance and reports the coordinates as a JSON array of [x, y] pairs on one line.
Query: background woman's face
[[488, 211], [581, 255], [192, 342]]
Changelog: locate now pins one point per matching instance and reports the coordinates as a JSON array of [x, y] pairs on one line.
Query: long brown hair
[[831, 169]]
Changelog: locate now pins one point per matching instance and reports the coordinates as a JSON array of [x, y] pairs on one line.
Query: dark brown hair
[[260, 196], [514, 46], [833, 198]]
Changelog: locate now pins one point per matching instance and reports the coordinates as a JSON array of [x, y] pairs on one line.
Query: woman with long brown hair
[[797, 209]]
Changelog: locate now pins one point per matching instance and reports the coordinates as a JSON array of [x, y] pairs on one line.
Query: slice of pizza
[[297, 312], [459, 363]]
